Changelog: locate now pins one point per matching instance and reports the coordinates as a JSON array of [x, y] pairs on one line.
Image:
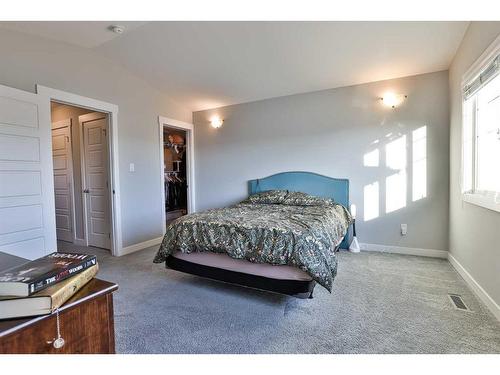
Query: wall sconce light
[[393, 100], [216, 122]]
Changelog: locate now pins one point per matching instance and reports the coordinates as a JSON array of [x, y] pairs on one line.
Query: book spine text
[[55, 277]]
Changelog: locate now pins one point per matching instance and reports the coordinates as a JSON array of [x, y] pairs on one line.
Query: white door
[[63, 179], [96, 182], [27, 219]]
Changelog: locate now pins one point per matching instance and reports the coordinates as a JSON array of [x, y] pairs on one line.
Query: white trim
[[112, 110], [189, 128], [141, 246], [486, 57], [476, 288], [487, 200], [175, 123], [82, 101], [404, 250]]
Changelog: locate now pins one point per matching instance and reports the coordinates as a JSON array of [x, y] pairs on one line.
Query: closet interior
[[175, 182]]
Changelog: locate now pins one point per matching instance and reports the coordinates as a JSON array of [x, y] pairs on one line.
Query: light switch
[[131, 167]]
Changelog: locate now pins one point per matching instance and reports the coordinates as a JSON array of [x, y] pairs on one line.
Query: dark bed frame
[[295, 288], [307, 182]]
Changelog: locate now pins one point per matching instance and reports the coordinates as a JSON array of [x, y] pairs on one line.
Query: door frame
[[49, 94], [81, 119], [66, 123], [189, 129]]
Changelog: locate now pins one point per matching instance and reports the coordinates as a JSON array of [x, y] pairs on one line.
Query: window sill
[[490, 201]]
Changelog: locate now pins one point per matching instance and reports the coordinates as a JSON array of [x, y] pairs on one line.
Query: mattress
[[224, 261]]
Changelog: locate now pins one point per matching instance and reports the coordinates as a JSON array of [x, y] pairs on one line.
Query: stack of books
[[43, 285]]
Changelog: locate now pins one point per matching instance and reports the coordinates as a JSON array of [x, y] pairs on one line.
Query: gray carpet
[[381, 303]]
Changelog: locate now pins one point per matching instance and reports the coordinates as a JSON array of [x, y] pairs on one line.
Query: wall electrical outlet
[[404, 229], [131, 167]]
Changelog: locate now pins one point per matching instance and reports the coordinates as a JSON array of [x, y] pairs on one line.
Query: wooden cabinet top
[[93, 289]]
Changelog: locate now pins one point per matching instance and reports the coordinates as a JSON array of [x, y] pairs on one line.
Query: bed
[[282, 238]]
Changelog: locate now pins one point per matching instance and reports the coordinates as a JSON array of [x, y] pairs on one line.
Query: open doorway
[[80, 152], [175, 173], [177, 168]]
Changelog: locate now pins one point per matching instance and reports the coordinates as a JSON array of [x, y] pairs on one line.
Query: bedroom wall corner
[[345, 133]]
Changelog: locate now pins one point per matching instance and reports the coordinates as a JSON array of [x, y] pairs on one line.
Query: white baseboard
[[404, 250], [476, 288], [140, 246]]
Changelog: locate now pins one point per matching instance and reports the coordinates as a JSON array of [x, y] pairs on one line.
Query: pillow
[[267, 197], [297, 198]]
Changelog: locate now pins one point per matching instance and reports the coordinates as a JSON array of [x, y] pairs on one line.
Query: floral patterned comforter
[[303, 236]]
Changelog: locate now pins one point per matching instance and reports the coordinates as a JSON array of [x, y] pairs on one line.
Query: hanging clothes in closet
[[175, 191]]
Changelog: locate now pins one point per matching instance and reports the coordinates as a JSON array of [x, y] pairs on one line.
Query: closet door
[[63, 179], [95, 151], [27, 217]]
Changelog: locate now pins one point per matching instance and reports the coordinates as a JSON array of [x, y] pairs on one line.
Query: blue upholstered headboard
[[306, 182]]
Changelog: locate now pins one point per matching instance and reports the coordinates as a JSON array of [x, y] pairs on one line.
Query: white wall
[[474, 231], [329, 132], [27, 61]]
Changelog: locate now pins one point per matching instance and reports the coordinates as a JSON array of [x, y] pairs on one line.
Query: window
[[481, 135]]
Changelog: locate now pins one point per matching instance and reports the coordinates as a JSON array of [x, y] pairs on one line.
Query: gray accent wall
[[330, 132], [27, 60], [474, 230]]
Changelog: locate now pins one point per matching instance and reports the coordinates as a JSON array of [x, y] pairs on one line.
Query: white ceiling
[[84, 34], [208, 64]]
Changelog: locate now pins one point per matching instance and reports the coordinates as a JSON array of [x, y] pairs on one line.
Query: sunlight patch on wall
[[419, 165], [370, 197], [395, 192], [395, 185], [395, 153], [371, 159]]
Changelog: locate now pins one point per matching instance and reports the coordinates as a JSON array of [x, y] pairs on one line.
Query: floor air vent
[[458, 302]]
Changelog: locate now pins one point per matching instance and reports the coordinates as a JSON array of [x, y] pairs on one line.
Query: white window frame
[[490, 200]]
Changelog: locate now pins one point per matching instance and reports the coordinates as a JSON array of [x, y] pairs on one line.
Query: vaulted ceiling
[[209, 64]]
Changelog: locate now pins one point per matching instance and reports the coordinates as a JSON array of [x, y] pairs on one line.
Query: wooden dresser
[[86, 325]]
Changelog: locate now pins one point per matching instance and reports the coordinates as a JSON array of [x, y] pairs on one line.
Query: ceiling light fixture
[[216, 122], [117, 29], [393, 100]]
